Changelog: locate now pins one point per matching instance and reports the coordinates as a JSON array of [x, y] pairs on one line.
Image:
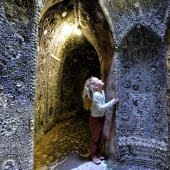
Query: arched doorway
[[64, 61], [63, 58]]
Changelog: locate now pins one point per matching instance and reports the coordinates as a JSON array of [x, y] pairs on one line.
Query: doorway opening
[[65, 60]]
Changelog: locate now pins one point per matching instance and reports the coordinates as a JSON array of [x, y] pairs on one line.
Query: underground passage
[[49, 48]]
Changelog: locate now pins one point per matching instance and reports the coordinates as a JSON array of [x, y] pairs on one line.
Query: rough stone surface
[[137, 72], [17, 76]]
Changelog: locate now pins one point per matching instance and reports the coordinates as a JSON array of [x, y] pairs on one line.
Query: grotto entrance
[[65, 60], [66, 57]]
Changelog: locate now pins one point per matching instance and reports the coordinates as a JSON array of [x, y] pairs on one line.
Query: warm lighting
[[77, 30], [67, 29], [45, 32]]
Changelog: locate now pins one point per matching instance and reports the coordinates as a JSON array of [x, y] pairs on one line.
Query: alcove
[[142, 115]]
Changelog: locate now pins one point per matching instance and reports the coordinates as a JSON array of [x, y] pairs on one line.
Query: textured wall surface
[[138, 73], [17, 77], [124, 15], [140, 135], [142, 123]]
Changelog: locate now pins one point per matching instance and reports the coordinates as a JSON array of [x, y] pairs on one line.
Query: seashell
[[127, 83], [140, 143], [135, 87], [162, 143], [153, 69], [124, 138], [153, 140]]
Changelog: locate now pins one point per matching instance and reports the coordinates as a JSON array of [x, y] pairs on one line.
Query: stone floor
[[66, 147]]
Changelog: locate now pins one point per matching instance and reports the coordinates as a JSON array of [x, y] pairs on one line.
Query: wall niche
[[142, 123]]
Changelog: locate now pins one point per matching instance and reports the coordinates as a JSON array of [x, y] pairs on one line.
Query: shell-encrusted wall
[[142, 122], [18, 28], [140, 129], [124, 15], [137, 73], [93, 11]]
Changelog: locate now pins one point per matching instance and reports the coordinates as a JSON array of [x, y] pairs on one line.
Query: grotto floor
[[66, 147]]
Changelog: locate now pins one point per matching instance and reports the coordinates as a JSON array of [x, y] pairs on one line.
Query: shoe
[[96, 160], [101, 157]]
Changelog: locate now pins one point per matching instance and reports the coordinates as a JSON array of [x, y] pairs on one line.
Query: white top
[[98, 104]]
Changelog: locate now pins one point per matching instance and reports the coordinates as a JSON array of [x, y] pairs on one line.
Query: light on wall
[[67, 29], [77, 29], [137, 4]]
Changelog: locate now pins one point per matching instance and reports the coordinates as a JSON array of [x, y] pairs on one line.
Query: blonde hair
[[88, 93]]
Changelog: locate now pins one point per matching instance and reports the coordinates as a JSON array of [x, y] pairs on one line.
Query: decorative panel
[[49, 72], [142, 124], [124, 15]]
